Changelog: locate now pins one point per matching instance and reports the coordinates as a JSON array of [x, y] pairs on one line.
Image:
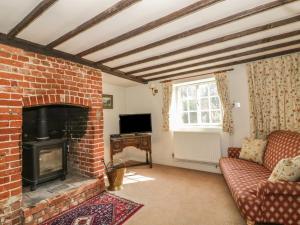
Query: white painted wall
[[239, 92], [139, 99], [111, 116]]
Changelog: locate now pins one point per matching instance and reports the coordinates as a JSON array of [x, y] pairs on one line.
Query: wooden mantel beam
[[35, 13], [285, 52], [214, 24], [40, 49], [151, 25], [113, 10]]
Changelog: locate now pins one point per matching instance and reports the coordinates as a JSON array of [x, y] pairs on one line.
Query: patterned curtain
[[167, 99], [274, 94], [223, 91]]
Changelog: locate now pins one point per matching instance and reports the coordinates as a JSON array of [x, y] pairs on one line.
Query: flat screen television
[[135, 123]]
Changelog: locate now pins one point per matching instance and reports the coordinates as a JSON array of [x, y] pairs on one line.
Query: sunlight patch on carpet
[[132, 177]]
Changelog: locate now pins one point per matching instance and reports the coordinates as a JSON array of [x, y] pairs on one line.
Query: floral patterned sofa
[[259, 200]]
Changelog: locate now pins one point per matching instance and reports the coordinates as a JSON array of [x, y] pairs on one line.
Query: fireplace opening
[[48, 133]]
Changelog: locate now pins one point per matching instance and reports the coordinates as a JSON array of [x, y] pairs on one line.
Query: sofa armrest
[[279, 188], [234, 152], [278, 197]]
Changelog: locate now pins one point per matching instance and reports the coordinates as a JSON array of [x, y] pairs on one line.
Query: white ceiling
[[65, 15], [19, 9], [107, 78]]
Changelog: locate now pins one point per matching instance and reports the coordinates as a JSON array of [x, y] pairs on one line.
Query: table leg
[[150, 156], [111, 155], [147, 158]]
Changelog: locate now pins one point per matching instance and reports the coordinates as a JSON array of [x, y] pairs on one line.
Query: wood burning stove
[[44, 159]]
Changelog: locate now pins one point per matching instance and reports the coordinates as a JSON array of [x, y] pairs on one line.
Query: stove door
[[51, 160]]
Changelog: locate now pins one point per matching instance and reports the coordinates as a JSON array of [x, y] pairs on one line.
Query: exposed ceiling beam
[[285, 52], [151, 25], [113, 10], [205, 27], [120, 74], [33, 47], [218, 40], [217, 52], [35, 13], [232, 56], [212, 72]]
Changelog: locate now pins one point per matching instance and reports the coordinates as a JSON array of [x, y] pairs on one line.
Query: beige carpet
[[175, 196]]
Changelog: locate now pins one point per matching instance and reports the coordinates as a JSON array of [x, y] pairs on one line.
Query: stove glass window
[[50, 160]]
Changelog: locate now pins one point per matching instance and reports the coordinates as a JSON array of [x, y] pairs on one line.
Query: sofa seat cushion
[[243, 178]]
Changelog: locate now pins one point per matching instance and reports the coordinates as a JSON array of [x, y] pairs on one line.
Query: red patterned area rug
[[103, 209]]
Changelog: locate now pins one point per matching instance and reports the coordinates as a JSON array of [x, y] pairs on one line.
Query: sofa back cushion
[[281, 144]]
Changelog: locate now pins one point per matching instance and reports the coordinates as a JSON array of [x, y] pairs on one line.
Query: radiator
[[197, 147]]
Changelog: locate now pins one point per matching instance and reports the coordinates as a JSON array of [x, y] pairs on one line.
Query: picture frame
[[107, 101]]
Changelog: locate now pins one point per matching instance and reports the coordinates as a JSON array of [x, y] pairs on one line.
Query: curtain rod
[[219, 71]]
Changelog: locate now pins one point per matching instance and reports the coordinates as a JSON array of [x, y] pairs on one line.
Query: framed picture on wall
[[107, 101]]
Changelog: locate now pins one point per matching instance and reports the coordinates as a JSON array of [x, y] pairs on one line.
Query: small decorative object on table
[[115, 171]]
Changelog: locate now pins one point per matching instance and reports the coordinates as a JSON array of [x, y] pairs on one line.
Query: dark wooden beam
[[205, 27], [232, 56], [218, 71], [113, 10], [35, 13], [40, 49], [151, 25], [219, 40], [285, 52], [121, 74], [224, 50]]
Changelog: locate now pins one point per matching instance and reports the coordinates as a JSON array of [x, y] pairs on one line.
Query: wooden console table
[[140, 141]]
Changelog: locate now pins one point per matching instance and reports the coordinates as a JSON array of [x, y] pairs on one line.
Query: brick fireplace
[[28, 80]]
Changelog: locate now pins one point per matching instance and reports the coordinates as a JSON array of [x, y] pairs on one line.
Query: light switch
[[237, 105]]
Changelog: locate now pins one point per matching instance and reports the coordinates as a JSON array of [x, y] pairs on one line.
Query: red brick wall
[[29, 79], [45, 210]]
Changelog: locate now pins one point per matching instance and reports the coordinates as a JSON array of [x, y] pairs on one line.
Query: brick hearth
[[63, 198], [26, 80]]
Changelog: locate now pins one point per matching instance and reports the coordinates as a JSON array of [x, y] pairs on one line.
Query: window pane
[[204, 104], [214, 103], [193, 117], [184, 105], [216, 116], [213, 89], [198, 104], [203, 90], [183, 91], [205, 117], [192, 91], [185, 118], [193, 105]]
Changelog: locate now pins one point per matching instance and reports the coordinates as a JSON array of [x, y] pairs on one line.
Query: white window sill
[[199, 129]]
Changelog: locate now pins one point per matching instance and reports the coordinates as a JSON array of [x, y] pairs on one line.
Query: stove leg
[[63, 177], [33, 186]]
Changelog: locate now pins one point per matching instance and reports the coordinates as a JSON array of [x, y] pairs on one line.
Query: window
[[197, 104]]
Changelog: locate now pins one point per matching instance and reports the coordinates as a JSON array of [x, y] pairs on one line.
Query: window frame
[[180, 126]]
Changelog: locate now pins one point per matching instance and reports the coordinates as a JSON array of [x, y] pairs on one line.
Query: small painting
[[107, 101]]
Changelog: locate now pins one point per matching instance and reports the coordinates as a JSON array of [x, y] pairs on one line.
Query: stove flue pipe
[[42, 124]]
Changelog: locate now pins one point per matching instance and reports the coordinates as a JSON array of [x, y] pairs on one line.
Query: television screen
[[135, 123]]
